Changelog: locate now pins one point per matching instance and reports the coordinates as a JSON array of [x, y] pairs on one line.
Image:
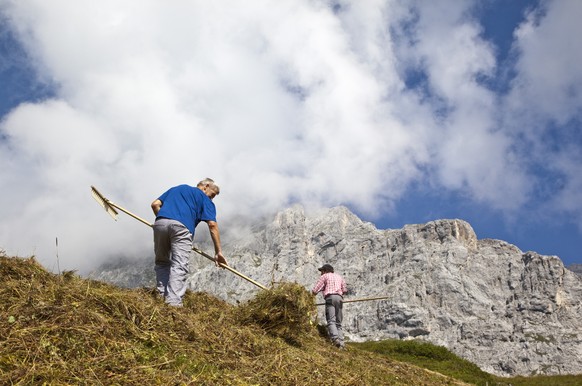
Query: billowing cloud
[[318, 102], [470, 151], [548, 85], [544, 105]]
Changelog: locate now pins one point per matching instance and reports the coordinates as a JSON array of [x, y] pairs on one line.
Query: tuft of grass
[[286, 311], [61, 329]]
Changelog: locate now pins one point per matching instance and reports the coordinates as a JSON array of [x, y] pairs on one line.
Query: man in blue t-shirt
[[178, 211]]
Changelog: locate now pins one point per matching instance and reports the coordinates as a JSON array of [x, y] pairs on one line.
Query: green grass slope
[[66, 330], [441, 360]]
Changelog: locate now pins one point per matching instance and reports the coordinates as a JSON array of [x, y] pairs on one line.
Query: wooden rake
[[112, 208], [359, 300]]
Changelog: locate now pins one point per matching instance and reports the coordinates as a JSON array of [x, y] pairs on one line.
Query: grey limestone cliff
[[508, 311], [576, 268]]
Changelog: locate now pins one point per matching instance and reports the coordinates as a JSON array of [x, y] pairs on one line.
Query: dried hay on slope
[[286, 311], [62, 329]]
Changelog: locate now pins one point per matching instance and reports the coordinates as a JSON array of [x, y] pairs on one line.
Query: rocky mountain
[[577, 268], [508, 311]]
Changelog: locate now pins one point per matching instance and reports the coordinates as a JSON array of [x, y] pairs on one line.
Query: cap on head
[[325, 268]]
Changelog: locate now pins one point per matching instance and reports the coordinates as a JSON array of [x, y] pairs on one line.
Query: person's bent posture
[[178, 211]]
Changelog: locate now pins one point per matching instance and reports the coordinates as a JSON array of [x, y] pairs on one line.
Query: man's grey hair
[[210, 182]]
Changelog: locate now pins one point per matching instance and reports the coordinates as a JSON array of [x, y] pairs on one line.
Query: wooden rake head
[[104, 202]]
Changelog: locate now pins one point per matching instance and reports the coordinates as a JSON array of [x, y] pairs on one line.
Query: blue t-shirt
[[188, 205]]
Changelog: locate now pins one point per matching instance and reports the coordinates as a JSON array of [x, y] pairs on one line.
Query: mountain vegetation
[[61, 329]]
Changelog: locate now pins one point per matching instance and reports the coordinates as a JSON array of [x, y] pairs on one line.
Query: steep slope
[[508, 311], [62, 329]]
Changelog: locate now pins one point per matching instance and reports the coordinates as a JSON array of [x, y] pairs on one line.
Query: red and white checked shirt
[[330, 283]]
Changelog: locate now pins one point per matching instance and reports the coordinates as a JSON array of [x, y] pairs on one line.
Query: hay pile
[[63, 329], [287, 311]]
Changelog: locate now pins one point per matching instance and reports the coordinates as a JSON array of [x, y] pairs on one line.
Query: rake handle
[[228, 268], [359, 300], [193, 248], [106, 202], [129, 213]]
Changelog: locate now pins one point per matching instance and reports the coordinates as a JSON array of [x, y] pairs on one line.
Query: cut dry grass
[[286, 311], [63, 329]]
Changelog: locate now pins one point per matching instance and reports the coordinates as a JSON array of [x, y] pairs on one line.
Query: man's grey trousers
[[172, 247], [334, 316]]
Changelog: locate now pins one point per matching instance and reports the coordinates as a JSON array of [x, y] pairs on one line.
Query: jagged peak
[[298, 212], [444, 230]]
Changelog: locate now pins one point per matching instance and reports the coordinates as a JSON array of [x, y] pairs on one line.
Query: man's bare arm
[[215, 235]]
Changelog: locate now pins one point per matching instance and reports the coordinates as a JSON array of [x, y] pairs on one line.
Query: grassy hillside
[[63, 329], [441, 360]]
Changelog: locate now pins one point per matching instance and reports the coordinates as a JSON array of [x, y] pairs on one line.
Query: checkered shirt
[[330, 283]]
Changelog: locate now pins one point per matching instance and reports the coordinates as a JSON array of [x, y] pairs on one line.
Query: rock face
[[510, 312], [576, 268]]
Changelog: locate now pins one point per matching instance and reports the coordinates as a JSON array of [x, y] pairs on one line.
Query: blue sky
[[404, 111]]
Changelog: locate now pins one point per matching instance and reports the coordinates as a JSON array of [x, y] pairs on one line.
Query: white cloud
[[543, 110], [278, 101], [568, 198], [549, 81], [471, 152]]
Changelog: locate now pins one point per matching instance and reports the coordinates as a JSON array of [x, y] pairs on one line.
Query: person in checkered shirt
[[333, 287]]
